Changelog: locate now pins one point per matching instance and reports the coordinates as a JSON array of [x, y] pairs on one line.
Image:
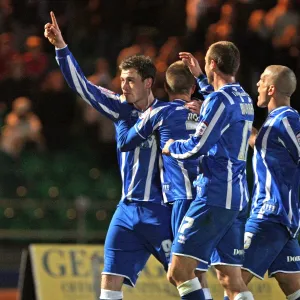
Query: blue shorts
[[180, 207], [211, 233], [137, 230], [269, 247]]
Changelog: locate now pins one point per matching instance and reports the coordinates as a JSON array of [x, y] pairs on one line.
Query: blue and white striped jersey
[[221, 140], [277, 170], [140, 167], [172, 120]]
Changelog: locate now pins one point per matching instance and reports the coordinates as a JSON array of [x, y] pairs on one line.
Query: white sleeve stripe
[[76, 81], [76, 78], [290, 132], [229, 98], [204, 136]]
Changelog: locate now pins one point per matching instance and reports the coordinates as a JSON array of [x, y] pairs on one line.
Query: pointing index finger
[[54, 22]]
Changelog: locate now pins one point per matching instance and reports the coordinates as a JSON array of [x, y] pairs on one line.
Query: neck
[[275, 103], [221, 80], [144, 103], [184, 97]]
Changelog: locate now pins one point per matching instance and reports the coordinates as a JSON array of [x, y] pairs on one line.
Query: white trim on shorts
[[224, 264], [288, 272], [251, 272], [121, 275], [180, 254]]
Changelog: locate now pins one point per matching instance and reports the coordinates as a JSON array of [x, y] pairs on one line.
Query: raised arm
[[105, 101], [204, 87]]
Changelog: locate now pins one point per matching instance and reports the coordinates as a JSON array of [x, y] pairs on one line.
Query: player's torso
[[140, 167], [178, 175], [223, 179], [276, 174]]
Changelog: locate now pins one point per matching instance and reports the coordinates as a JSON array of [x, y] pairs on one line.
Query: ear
[[271, 90], [148, 83], [213, 65]]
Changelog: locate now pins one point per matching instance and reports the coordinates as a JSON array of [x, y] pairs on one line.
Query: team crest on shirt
[[201, 128], [298, 138]]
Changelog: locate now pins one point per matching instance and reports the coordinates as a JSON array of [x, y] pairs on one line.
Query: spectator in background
[[22, 127], [35, 59], [16, 84], [57, 124], [7, 52], [6, 11]]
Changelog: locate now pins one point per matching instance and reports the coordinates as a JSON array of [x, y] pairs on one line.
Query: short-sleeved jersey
[[277, 170], [221, 140], [170, 120], [139, 167]]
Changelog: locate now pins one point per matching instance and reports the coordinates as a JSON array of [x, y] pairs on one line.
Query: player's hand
[[166, 150], [253, 136], [191, 62], [194, 106], [53, 34]]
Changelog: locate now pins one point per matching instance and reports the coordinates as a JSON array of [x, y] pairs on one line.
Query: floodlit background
[[59, 179]]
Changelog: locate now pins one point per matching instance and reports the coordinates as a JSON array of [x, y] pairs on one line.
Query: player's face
[[133, 87], [262, 89]]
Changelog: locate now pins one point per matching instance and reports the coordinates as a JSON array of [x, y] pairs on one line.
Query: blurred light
[[101, 215], [94, 173], [21, 191], [39, 213], [111, 193], [53, 192], [71, 213], [9, 212]]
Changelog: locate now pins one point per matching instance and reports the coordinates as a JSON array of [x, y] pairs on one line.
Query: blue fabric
[[269, 246], [204, 229], [136, 231]]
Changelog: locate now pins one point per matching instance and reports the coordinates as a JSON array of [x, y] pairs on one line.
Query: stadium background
[[59, 180]]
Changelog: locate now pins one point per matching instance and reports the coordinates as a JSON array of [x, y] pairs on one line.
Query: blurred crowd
[[39, 112]]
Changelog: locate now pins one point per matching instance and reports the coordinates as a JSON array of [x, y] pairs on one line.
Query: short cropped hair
[[141, 63], [179, 79], [226, 55]]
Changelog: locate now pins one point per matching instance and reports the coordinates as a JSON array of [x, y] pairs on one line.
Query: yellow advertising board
[[72, 272]]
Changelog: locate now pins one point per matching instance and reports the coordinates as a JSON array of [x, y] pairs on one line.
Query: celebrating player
[[214, 222], [130, 240], [272, 228]]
